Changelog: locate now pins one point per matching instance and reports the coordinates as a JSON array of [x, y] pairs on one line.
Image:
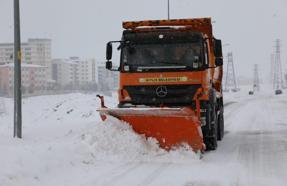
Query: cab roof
[[172, 22], [202, 25]]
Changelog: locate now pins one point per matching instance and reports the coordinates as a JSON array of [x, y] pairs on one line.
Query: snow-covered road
[[256, 139], [253, 151]]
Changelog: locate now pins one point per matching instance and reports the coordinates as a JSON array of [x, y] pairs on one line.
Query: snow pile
[[69, 124], [66, 143], [115, 140], [62, 108]]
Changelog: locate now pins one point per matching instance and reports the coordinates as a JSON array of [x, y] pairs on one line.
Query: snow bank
[[63, 134], [65, 142], [115, 140]]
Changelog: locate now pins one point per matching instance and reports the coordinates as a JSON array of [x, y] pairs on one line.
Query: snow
[[65, 143], [116, 141]]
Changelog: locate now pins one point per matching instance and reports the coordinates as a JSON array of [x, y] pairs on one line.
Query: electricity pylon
[[272, 56], [256, 85], [230, 80], [277, 68]]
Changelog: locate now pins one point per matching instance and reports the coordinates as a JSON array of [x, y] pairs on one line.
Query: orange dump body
[[170, 126]]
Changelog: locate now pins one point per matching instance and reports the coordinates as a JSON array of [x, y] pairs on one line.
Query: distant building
[[107, 80], [33, 79], [74, 72], [34, 51]]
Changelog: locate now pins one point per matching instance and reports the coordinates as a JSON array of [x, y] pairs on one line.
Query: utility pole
[[17, 73], [277, 76], [230, 80], [168, 15], [256, 86]]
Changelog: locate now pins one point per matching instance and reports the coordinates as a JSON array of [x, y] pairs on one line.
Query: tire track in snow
[[249, 139], [259, 147], [154, 174], [106, 173], [229, 103], [116, 175], [233, 110]]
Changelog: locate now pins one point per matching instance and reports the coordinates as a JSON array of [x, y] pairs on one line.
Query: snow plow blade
[[170, 126]]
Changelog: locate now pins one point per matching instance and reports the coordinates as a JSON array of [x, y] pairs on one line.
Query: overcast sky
[[82, 27]]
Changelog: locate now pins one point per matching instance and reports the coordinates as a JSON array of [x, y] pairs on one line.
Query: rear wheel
[[211, 139], [220, 122]]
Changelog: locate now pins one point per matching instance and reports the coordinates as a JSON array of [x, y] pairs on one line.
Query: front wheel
[[210, 137]]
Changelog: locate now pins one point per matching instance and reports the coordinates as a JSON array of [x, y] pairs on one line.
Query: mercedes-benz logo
[[161, 91]]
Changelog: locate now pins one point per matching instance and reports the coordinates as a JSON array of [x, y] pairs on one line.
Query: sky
[[248, 28]]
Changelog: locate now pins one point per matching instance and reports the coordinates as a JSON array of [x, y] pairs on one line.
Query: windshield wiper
[[160, 67], [168, 63]]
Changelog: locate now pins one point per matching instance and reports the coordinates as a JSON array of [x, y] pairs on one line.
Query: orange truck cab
[[170, 64]]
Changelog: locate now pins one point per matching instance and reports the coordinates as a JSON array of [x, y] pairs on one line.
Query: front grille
[[176, 94]]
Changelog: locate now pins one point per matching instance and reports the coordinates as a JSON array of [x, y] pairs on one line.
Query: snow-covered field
[[66, 144]]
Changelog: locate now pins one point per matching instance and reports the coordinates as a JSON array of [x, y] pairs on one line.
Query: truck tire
[[210, 138], [220, 132]]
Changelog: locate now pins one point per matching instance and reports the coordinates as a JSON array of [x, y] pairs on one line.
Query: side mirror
[[109, 51], [218, 52], [218, 61], [217, 48], [109, 65]]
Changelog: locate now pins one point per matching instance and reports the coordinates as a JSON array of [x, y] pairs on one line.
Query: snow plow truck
[[170, 82]]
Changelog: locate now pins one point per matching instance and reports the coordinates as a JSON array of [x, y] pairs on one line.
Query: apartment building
[[33, 79], [34, 51], [74, 72], [77, 73]]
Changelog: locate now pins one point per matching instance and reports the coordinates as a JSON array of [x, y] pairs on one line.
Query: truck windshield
[[141, 57]]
